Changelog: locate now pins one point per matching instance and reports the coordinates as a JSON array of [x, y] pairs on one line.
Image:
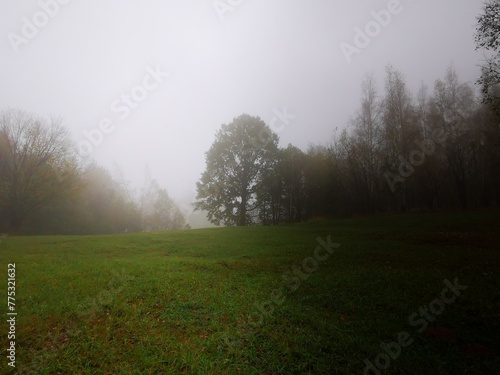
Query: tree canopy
[[235, 165], [45, 187], [37, 164], [488, 38], [400, 152]]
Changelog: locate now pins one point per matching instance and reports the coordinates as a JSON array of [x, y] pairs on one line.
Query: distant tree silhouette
[[235, 165], [37, 164]]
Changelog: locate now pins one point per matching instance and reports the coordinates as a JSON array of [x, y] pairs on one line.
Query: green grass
[[178, 302]]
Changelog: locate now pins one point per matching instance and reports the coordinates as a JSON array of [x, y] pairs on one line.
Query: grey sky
[[262, 57]]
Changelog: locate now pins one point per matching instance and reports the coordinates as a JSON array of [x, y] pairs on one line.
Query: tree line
[[400, 152], [438, 149], [47, 188]]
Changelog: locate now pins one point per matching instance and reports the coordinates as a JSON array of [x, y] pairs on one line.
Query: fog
[[160, 77]]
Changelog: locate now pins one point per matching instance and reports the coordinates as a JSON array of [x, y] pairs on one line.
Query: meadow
[[262, 300]]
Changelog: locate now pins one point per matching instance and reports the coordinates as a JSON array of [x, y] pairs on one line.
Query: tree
[[488, 38], [364, 151], [159, 211], [319, 184], [235, 163], [455, 104], [399, 130], [269, 193], [107, 204], [282, 189], [38, 163], [293, 172], [428, 174]]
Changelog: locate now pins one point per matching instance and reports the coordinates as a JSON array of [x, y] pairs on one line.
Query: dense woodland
[[401, 152], [47, 188], [437, 148]]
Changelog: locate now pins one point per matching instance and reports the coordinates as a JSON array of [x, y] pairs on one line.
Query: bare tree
[[399, 129], [366, 143], [456, 103], [38, 163]]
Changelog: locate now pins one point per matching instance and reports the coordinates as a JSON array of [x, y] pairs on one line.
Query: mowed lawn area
[[214, 301]]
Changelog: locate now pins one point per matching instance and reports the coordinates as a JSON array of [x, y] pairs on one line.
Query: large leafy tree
[[488, 38], [37, 164], [235, 163]]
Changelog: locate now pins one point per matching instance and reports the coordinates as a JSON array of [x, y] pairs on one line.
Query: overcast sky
[[161, 76]]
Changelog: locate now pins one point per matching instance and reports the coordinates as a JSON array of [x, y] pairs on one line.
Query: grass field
[[199, 301]]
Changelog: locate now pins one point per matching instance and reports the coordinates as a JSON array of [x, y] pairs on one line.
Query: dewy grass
[[179, 302]]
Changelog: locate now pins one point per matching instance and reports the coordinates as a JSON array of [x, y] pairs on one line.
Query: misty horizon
[[207, 65]]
